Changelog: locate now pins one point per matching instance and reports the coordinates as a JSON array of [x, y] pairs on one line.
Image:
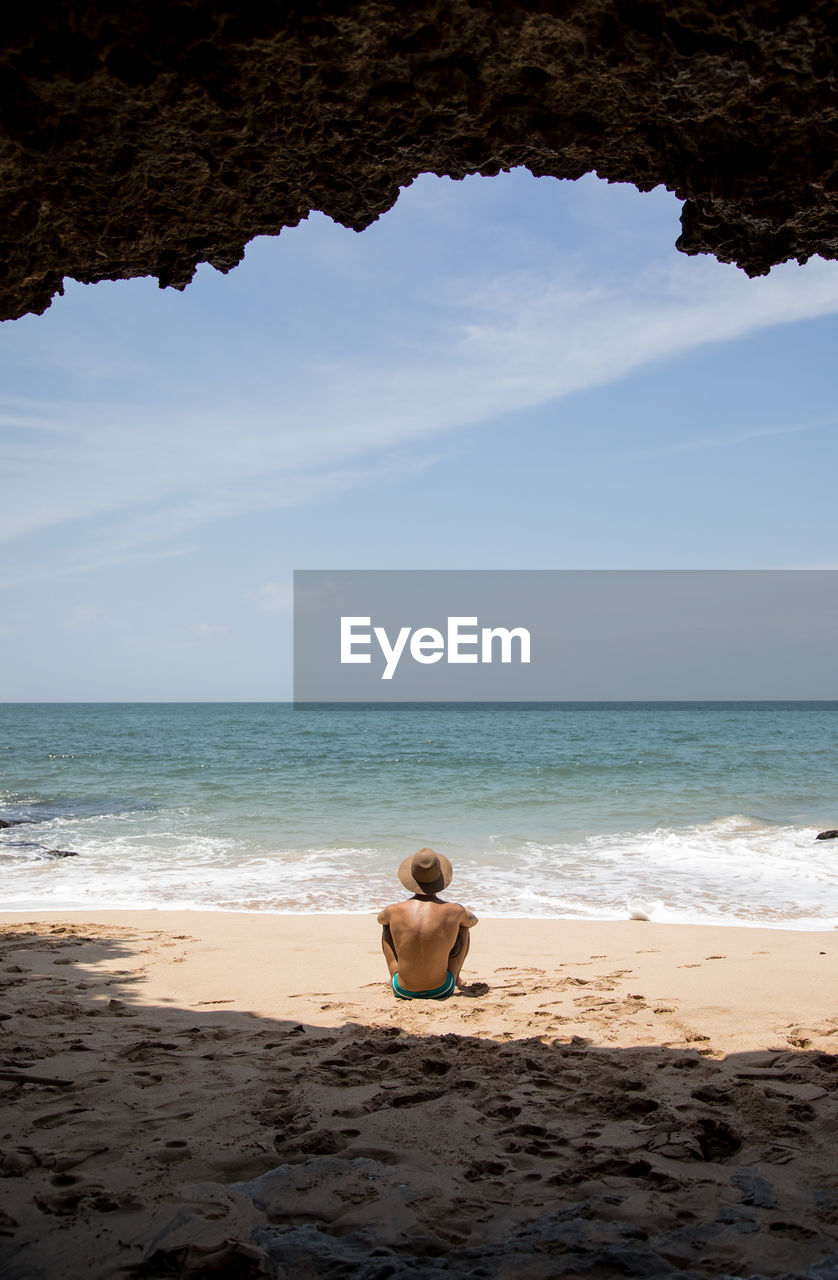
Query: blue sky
[[500, 373]]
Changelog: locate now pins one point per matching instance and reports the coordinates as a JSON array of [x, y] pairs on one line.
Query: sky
[[501, 373]]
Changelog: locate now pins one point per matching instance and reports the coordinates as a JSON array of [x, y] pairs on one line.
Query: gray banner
[[565, 635]]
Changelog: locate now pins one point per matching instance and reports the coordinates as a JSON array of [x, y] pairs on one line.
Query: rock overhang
[[145, 140]]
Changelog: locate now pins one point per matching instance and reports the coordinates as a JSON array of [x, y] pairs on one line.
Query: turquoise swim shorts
[[438, 993]]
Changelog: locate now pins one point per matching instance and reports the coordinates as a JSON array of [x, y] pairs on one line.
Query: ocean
[[685, 812]]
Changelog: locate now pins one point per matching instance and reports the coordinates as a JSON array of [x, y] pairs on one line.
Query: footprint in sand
[[535, 1140], [16, 1163], [60, 1202], [483, 1170], [92, 1196], [320, 1142], [149, 1051], [172, 1152], [434, 1067], [506, 1112], [56, 1119], [413, 1097], [67, 1160], [119, 1009], [710, 1140], [714, 1095], [631, 1108], [474, 989]]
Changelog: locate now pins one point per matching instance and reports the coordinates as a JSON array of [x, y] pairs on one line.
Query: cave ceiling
[[143, 140]]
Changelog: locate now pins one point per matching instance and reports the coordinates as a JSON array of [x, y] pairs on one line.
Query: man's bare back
[[425, 938]]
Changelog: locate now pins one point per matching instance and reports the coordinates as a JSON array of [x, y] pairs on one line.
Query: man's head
[[426, 872]]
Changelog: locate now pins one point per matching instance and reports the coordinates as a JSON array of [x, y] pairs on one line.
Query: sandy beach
[[240, 1095]]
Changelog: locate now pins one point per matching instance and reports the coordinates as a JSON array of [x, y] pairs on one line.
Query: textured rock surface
[[144, 139]]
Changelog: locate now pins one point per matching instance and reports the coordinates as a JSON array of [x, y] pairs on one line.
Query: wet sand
[[213, 1094]]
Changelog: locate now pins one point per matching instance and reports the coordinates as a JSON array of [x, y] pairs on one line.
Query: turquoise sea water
[[687, 811]]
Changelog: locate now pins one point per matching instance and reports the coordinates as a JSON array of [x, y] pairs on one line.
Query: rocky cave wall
[[144, 139]]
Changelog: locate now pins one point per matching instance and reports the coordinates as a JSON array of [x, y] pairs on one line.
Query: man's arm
[[387, 943], [388, 946], [467, 918]]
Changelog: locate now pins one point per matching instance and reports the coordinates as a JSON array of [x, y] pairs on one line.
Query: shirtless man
[[424, 939]]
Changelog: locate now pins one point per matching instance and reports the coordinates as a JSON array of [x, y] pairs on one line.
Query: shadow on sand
[[157, 1142]]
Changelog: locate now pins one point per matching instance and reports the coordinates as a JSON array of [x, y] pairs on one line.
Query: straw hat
[[425, 872]]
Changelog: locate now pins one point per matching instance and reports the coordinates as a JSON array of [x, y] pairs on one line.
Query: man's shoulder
[[395, 908], [457, 908]]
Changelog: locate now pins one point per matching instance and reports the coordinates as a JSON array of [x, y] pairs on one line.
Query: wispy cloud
[[125, 535], [81, 615], [208, 630], [731, 440], [126, 477], [540, 339], [271, 597]]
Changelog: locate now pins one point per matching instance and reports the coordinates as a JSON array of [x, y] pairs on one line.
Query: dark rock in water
[[12, 822], [827, 835], [61, 853]]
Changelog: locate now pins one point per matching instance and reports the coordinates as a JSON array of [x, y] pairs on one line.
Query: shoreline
[[281, 965], [623, 1098], [827, 926]]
